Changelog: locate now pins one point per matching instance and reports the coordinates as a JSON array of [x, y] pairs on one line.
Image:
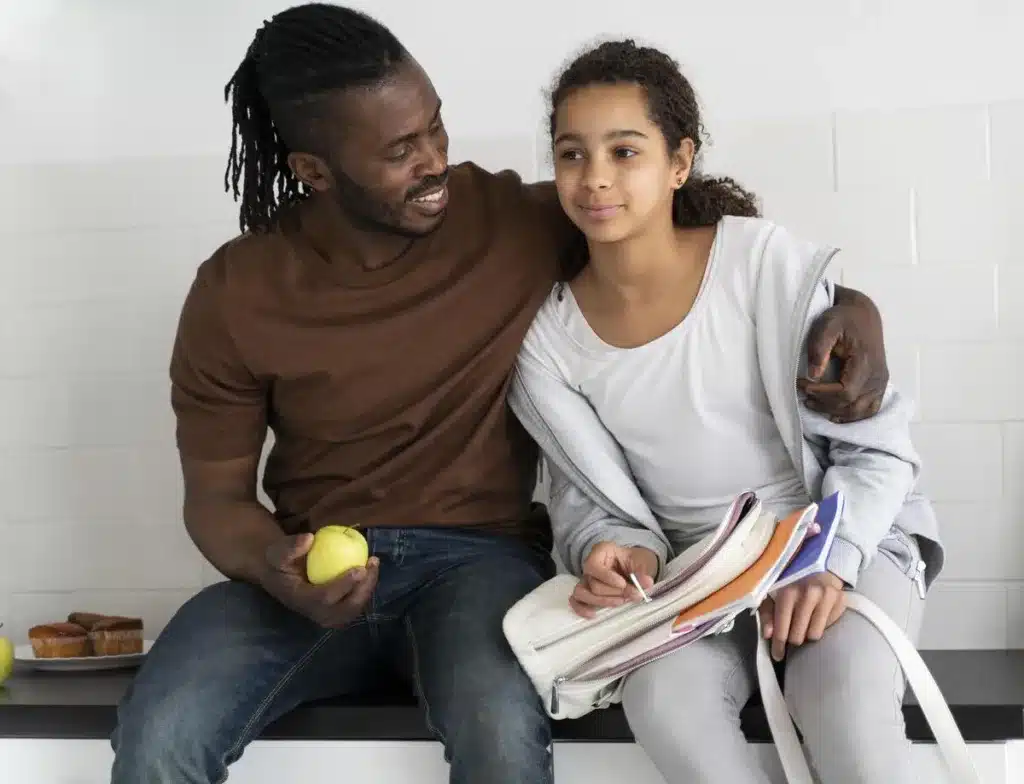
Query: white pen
[[636, 582]]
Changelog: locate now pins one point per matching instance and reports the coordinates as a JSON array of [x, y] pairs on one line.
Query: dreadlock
[[673, 107], [276, 96]]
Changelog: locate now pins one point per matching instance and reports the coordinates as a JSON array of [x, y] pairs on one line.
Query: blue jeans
[[233, 659]]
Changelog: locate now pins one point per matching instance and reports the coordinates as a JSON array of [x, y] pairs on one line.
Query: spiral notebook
[[812, 555], [774, 569]]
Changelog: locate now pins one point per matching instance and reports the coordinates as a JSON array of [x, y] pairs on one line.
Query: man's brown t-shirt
[[385, 389]]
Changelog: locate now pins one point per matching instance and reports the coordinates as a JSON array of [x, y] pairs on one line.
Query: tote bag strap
[[947, 735], [787, 744]]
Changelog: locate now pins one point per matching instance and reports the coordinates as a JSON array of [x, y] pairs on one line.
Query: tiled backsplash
[[88, 474], [99, 251]]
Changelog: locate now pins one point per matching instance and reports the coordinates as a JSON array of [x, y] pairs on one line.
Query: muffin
[[114, 636], [59, 641], [86, 619]]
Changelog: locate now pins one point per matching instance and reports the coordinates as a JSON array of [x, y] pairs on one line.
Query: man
[[370, 314]]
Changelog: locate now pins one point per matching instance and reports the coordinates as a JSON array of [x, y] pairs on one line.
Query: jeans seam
[[418, 682], [282, 682]]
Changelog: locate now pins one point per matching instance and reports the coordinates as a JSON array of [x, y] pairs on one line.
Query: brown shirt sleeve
[[220, 406], [545, 196], [570, 243]]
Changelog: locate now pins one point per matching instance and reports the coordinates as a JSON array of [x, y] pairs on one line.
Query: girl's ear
[[682, 162]]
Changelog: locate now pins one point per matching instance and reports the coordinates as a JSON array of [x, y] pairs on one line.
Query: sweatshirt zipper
[[578, 476], [919, 579], [804, 305]]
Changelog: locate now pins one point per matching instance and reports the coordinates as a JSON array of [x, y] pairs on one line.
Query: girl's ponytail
[[703, 201]]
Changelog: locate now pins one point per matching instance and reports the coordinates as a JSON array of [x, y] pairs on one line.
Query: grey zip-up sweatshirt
[[593, 497]]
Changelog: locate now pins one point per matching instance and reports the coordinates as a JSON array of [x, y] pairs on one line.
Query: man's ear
[[683, 161], [311, 170]]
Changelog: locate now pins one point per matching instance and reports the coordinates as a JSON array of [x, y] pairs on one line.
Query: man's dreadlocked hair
[[673, 107], [294, 61]]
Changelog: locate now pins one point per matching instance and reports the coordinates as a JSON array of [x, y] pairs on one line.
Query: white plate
[[25, 655]]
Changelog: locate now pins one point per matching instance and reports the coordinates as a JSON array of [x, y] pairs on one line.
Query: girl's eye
[[570, 155], [624, 152]]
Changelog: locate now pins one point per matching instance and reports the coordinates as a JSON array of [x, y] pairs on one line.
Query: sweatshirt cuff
[[844, 561], [627, 537]]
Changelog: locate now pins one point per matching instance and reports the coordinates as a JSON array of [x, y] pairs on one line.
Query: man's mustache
[[429, 184]]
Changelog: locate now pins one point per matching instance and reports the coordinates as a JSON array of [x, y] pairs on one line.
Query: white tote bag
[[578, 666], [603, 657]]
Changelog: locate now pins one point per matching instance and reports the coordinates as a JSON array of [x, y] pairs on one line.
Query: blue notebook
[[810, 558]]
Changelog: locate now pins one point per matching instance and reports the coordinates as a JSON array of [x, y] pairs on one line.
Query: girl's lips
[[600, 212]]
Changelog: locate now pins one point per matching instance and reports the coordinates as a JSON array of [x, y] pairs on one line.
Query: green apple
[[335, 550], [6, 658]]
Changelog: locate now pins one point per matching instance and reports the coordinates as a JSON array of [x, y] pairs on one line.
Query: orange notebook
[[756, 580]]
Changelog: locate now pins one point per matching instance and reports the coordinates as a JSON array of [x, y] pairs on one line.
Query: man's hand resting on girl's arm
[[802, 611]]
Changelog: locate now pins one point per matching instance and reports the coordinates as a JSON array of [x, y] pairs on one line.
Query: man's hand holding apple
[[334, 603]]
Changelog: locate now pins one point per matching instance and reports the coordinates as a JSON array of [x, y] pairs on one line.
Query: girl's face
[[613, 171]]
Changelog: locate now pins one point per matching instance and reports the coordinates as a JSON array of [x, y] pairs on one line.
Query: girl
[[661, 371]]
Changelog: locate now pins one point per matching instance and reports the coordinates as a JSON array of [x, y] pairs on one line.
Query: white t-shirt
[[689, 408]]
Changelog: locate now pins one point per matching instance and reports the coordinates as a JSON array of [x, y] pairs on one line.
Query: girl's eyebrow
[[616, 134]]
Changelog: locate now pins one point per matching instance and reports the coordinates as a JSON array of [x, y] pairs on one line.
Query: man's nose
[[435, 160]]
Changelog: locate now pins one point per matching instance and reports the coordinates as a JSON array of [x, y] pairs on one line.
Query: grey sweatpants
[[844, 692]]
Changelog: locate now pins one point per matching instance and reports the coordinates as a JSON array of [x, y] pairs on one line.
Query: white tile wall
[[800, 153], [976, 480], [1007, 157], [914, 146], [870, 140]]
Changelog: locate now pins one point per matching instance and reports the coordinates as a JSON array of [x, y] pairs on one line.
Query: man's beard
[[373, 215]]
